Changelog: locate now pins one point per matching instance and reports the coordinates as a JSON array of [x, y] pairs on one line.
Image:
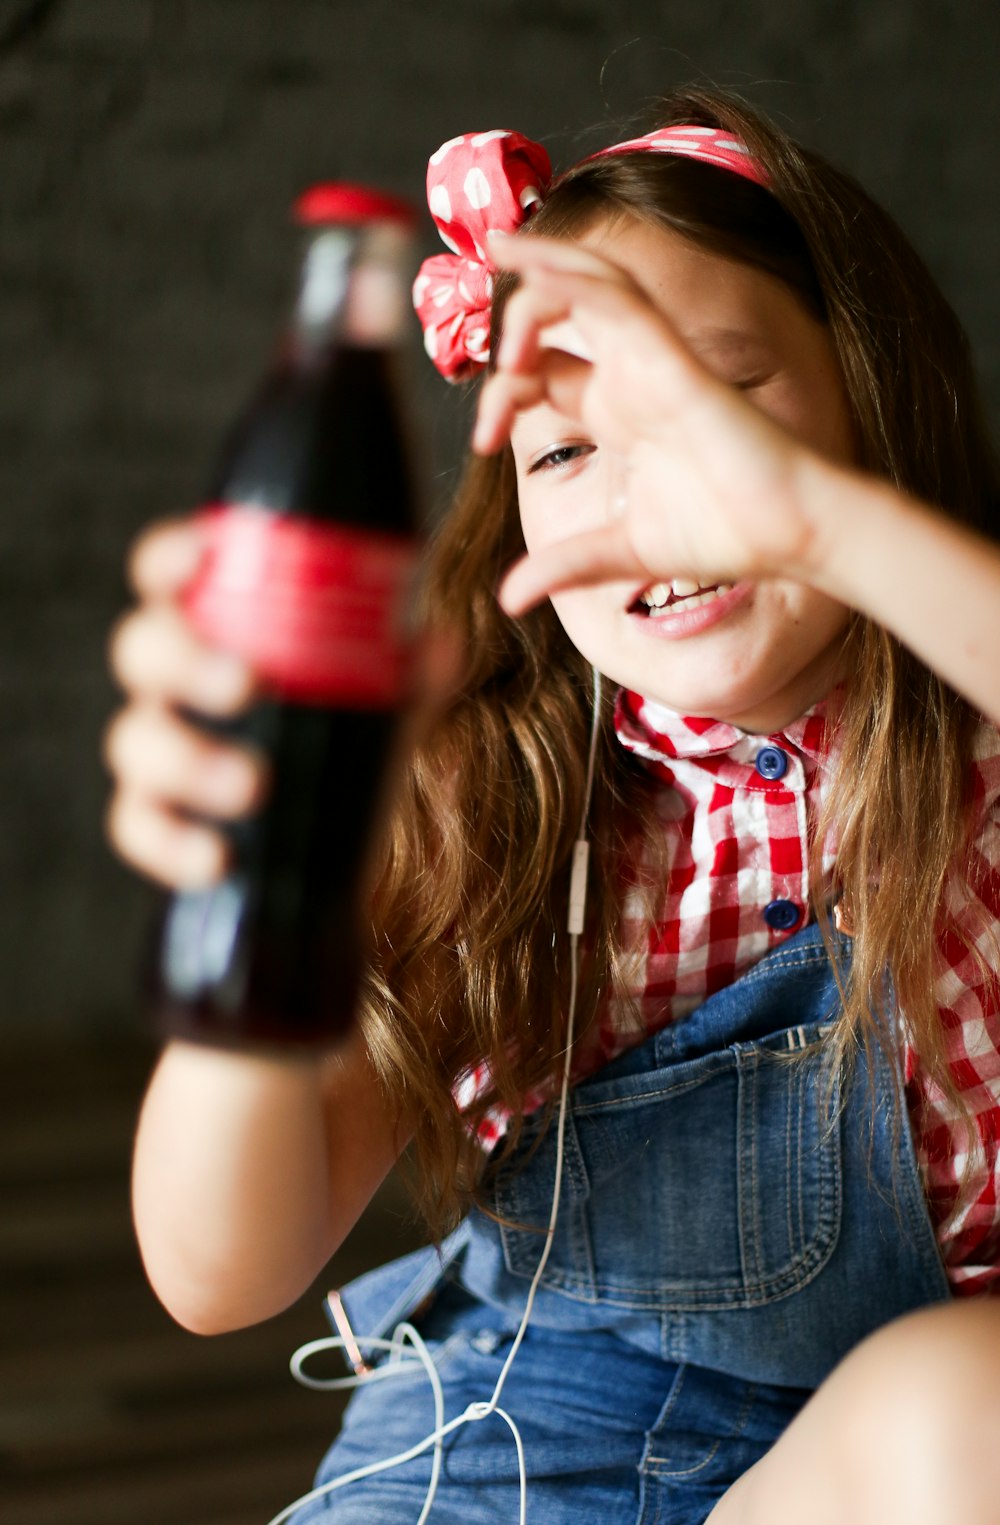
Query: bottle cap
[[340, 201]]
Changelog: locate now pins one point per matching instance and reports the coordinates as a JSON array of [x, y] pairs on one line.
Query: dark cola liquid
[[274, 953]]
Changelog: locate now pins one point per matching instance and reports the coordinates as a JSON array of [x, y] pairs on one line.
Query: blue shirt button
[[771, 762], [782, 915]]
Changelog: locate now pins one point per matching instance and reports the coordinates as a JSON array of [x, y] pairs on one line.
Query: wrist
[[845, 514]]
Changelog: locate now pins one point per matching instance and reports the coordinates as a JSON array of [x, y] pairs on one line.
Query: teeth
[[692, 594]]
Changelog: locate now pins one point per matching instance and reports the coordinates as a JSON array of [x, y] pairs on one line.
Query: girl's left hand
[[713, 489]]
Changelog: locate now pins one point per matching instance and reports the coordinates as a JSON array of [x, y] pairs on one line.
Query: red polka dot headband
[[486, 182]]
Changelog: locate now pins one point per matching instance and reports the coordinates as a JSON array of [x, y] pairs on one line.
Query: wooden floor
[[109, 1413]]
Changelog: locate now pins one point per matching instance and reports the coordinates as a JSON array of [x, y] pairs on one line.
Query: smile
[[676, 596], [680, 608]]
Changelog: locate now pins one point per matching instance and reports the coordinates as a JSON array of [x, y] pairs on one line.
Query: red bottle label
[[318, 610]]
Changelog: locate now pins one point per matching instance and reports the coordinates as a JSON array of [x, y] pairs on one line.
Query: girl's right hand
[[167, 772], [711, 486]]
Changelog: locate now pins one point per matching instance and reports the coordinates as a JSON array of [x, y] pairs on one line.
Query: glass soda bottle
[[312, 531]]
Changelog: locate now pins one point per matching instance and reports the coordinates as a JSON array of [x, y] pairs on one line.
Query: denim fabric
[[733, 1220]]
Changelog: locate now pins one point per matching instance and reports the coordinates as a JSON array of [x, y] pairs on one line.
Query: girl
[[757, 1102]]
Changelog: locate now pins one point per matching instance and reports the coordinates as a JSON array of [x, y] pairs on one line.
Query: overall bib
[[729, 1228]]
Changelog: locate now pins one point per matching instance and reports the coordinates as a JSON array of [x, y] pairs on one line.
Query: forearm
[[235, 1208], [932, 582]]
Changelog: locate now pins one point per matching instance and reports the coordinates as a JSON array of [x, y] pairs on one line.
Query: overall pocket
[[711, 1183]]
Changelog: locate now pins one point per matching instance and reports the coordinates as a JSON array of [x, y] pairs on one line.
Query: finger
[[559, 380], [176, 853], [595, 294], [155, 654], [606, 311], [536, 319], [166, 557], [501, 399], [531, 251], [559, 272], [152, 752], [579, 561]]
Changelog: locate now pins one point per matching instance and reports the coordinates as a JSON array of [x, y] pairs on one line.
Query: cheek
[[585, 618], [817, 621], [533, 518], [553, 506]]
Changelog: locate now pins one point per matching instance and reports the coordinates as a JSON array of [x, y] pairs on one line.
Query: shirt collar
[[651, 730]]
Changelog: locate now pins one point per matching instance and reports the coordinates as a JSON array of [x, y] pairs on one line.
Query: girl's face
[[772, 648]]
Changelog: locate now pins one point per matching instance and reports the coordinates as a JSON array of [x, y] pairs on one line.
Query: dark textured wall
[[148, 149]]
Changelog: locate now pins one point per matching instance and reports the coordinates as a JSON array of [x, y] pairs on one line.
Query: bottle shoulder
[[325, 438]]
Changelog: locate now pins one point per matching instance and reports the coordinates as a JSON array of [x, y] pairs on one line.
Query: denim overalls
[[723, 1240]]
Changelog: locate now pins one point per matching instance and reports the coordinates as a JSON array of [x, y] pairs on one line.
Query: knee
[[925, 1418]]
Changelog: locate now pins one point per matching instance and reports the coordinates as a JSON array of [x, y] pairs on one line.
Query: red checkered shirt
[[739, 812]]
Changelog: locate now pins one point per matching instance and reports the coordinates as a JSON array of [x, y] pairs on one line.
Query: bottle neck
[[353, 288]]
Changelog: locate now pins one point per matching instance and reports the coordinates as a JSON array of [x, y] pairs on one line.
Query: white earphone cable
[[404, 1333]]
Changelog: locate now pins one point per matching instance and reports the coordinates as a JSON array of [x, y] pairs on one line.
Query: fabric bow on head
[[480, 183], [490, 182]]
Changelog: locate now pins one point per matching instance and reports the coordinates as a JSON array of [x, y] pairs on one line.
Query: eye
[[751, 383], [557, 457]]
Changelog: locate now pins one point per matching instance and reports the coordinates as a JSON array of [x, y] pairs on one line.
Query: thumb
[[579, 561]]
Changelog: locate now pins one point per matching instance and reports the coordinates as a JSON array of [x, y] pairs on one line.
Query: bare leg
[[906, 1429]]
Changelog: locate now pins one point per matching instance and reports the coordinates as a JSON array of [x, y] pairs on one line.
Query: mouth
[[676, 597]]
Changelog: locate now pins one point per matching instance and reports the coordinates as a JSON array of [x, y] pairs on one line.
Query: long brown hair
[[471, 950]]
